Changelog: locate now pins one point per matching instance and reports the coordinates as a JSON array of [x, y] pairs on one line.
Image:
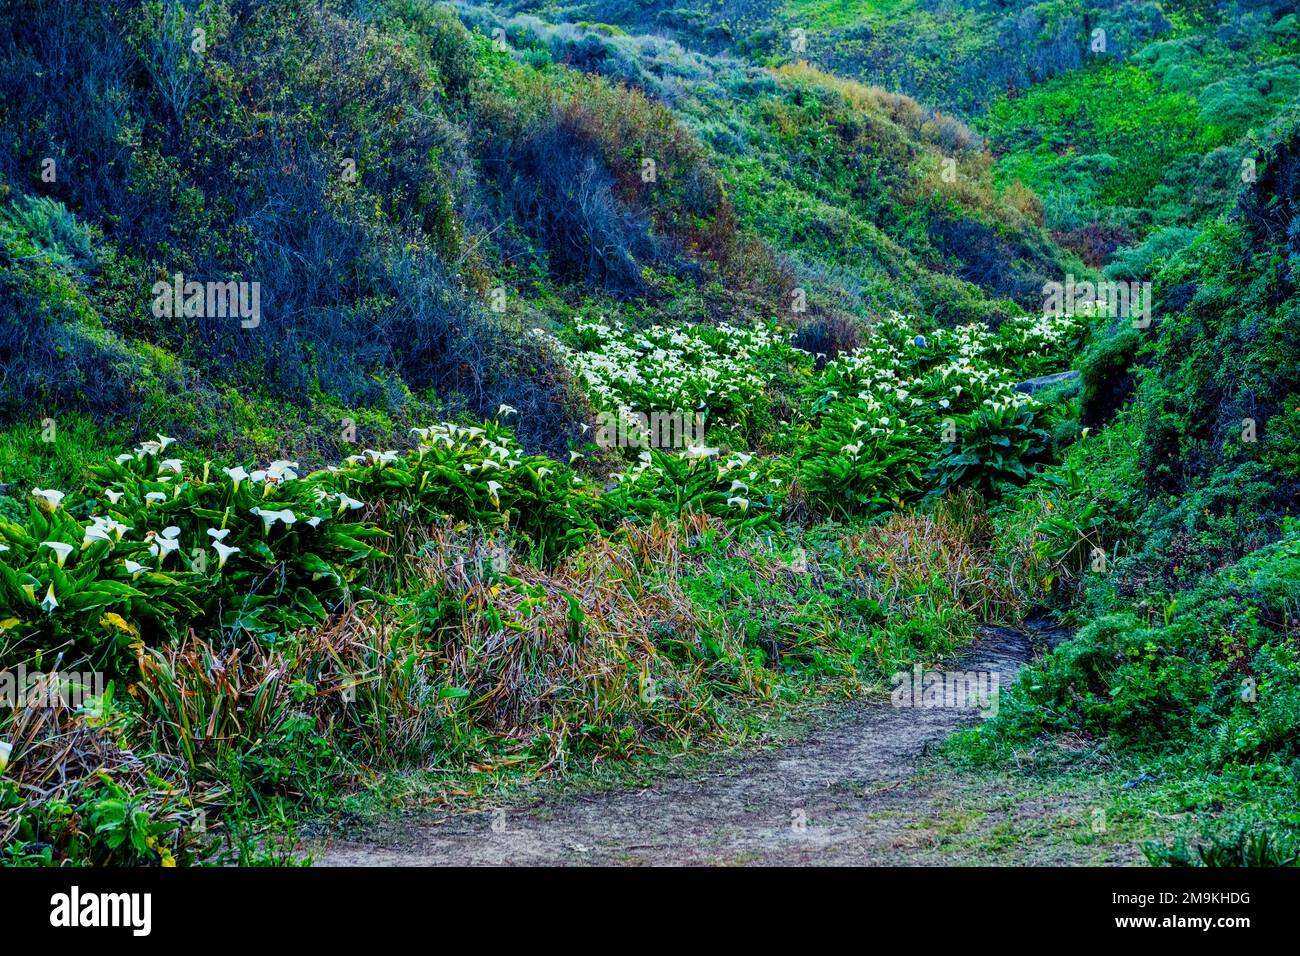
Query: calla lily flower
[[220, 535], [60, 550], [738, 502], [700, 451], [161, 547], [223, 553], [282, 470], [134, 567], [113, 496], [269, 518], [105, 529], [237, 474], [507, 410], [95, 533], [52, 497], [50, 602]]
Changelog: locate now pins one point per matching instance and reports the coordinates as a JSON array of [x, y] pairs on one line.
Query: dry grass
[[356, 676], [943, 139], [937, 129], [604, 649], [944, 558], [58, 754]]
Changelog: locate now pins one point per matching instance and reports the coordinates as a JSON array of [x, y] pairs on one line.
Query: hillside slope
[[405, 196]]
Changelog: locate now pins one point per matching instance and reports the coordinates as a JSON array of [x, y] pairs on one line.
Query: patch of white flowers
[[945, 371], [139, 487], [670, 369]]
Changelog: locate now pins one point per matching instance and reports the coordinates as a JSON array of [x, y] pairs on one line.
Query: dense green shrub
[[1217, 670], [1106, 371], [1141, 263], [995, 448]]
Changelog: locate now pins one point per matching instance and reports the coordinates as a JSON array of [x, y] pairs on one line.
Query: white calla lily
[[52, 497], [346, 503], [60, 549], [269, 518], [282, 470], [223, 553]]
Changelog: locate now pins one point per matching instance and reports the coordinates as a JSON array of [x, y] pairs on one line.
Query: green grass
[[836, 14], [1099, 137], [53, 453]]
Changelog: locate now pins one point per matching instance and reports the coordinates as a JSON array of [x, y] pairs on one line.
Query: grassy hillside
[[378, 522]]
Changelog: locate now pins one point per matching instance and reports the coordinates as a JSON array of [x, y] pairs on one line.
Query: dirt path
[[847, 793]]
